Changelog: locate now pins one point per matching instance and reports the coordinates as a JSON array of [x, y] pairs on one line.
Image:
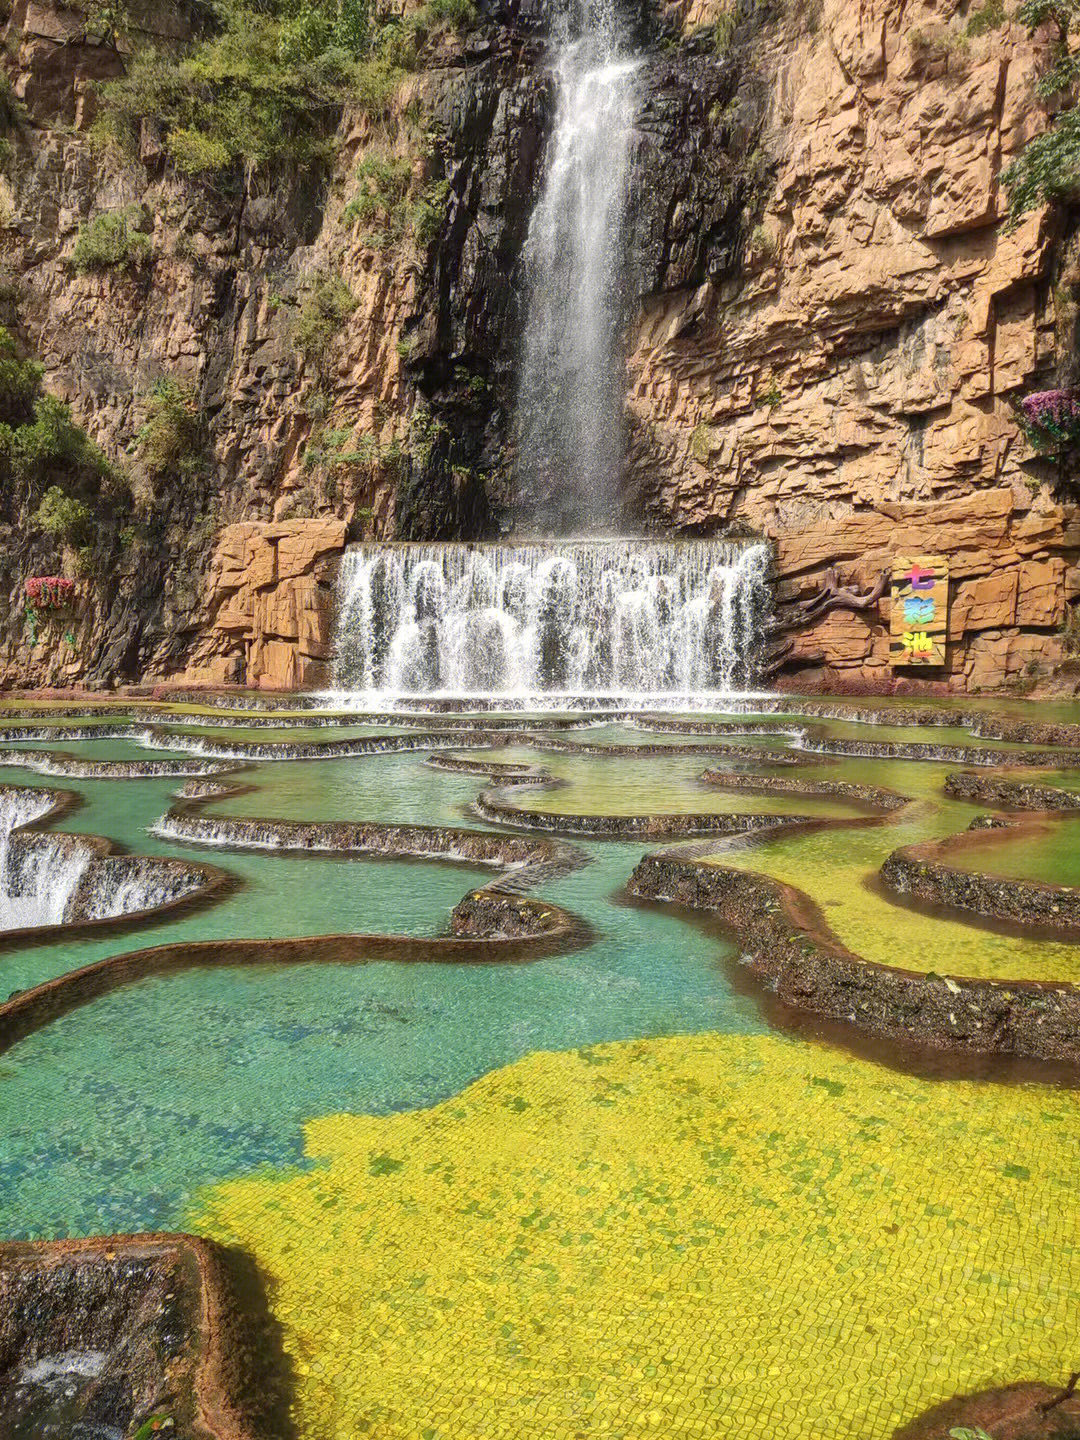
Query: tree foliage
[[1048, 168], [263, 78]]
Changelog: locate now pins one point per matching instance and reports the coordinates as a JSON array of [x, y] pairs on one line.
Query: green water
[[115, 1114]]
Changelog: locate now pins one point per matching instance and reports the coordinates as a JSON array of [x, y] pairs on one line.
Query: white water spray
[[37, 882], [572, 377], [630, 618]]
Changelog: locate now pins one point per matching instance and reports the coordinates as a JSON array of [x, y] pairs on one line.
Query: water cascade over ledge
[[37, 883], [575, 618]]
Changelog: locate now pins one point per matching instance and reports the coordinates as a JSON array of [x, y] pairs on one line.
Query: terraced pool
[[676, 1105]]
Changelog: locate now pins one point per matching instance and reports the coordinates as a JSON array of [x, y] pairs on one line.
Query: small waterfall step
[[576, 618]]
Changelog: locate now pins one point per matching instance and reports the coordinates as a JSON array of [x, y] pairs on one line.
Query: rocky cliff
[[833, 323]]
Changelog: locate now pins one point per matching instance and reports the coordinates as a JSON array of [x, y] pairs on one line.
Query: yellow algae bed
[[708, 1235]]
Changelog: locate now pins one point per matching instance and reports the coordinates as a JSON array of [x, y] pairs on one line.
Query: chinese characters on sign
[[920, 609]]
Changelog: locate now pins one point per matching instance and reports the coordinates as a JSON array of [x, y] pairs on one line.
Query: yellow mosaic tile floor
[[714, 1235]]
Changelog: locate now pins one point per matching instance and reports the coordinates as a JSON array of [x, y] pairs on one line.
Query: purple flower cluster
[[1050, 408]]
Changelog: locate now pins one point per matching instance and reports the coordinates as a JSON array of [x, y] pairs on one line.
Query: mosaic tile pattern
[[702, 1236]]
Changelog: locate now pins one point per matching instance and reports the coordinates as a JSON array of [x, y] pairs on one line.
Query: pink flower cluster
[[49, 592], [1051, 407]]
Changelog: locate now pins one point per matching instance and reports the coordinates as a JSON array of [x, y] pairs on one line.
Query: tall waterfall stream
[[571, 383]]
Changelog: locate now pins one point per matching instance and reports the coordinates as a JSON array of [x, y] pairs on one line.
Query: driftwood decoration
[[833, 595]]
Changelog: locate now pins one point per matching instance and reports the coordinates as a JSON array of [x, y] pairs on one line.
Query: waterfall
[[38, 876], [616, 618], [572, 375]]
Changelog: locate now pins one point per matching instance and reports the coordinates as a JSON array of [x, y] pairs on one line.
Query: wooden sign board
[[920, 610]]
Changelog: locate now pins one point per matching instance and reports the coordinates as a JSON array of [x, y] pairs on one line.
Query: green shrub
[[39, 441], [724, 32], [701, 442], [384, 184], [1048, 168], [990, 16], [387, 202], [171, 439], [63, 516], [245, 94], [53, 439], [448, 14], [263, 80], [328, 304], [427, 212], [112, 238]]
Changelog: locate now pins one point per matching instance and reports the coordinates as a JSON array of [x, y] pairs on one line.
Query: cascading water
[[591, 619], [578, 618], [37, 882], [572, 376]]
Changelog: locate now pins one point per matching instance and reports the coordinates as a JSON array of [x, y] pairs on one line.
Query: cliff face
[[848, 391], [832, 324]]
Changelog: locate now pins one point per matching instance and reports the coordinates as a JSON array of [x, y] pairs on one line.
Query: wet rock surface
[[786, 944]]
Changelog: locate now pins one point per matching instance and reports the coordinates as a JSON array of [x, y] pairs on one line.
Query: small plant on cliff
[[328, 304], [389, 202], [172, 438], [990, 16], [768, 392], [1051, 420], [384, 181], [115, 237], [63, 516], [701, 442], [724, 32]]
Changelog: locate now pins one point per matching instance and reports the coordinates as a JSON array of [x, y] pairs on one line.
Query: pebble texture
[[710, 1236]]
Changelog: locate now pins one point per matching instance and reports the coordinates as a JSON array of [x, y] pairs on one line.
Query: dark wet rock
[[787, 944], [1028, 1410], [99, 1336], [1011, 794]]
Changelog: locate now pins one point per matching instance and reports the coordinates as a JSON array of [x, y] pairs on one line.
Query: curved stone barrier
[[786, 943], [1009, 794], [920, 873], [26, 734], [157, 739], [57, 763], [982, 724], [101, 1306], [523, 858], [718, 749], [873, 795], [85, 876], [488, 926], [489, 805], [107, 889], [950, 754], [506, 772]]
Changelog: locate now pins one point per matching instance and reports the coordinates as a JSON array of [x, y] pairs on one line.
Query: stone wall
[[268, 620]]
